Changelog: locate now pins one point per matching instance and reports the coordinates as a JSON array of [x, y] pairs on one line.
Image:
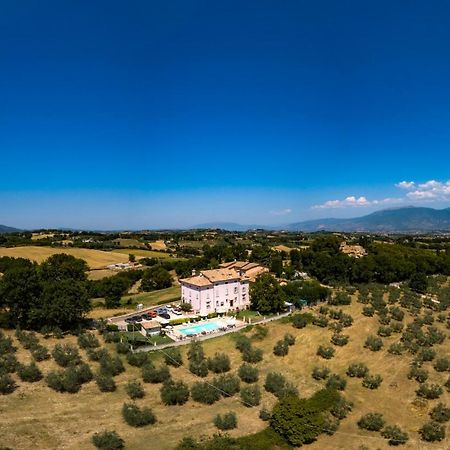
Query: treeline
[[385, 263]]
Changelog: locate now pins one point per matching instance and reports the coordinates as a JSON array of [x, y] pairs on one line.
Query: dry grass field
[[95, 259], [158, 245], [142, 253], [34, 416]]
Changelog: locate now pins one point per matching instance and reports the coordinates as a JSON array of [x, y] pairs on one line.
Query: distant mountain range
[[400, 220], [5, 229]]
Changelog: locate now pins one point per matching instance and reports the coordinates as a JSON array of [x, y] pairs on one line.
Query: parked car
[[164, 315], [152, 314], [138, 319], [146, 316], [177, 311], [161, 310]]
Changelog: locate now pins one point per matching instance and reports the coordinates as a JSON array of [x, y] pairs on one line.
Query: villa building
[[220, 290]]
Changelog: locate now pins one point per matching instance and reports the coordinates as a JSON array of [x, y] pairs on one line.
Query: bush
[[339, 339], [419, 374], [137, 359], [40, 353], [83, 373], [122, 348], [384, 331], [28, 340], [151, 374], [373, 343], [396, 348], [372, 381], [252, 355], [137, 417], [251, 395], [289, 339], [325, 352], [8, 363], [432, 432], [228, 385], [7, 384], [134, 389], [281, 348], [394, 435], [260, 333], [248, 373], [336, 382], [30, 373], [228, 421], [243, 342], [320, 321], [277, 385], [65, 355], [105, 382], [426, 354], [205, 393], [108, 440], [219, 363], [440, 413], [63, 381], [341, 408], [429, 391], [368, 311], [111, 365], [371, 422], [96, 355], [320, 373], [358, 370], [88, 340], [199, 368], [174, 392], [264, 414], [301, 320], [442, 365], [172, 357]]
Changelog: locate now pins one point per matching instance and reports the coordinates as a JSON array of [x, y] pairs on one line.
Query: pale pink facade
[[218, 291]]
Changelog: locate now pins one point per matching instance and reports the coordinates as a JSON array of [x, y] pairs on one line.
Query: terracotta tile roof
[[151, 324]]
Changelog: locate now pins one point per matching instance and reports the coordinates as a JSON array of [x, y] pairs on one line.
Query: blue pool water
[[197, 329]]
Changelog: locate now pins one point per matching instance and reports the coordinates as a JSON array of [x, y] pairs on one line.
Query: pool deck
[[224, 324]]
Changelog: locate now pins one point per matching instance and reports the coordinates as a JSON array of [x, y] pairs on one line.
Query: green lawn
[[153, 298]]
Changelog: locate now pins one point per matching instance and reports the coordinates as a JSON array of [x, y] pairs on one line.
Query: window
[[231, 303], [208, 305], [226, 291], [217, 293], [236, 290], [221, 303]]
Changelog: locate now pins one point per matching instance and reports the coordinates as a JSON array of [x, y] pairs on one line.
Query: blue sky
[[164, 114]]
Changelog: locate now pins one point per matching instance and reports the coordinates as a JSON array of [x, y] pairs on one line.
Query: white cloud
[[405, 184], [281, 212], [431, 190]]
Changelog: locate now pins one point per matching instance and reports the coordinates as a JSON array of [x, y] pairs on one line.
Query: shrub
[[260, 333], [134, 389], [325, 352], [419, 374], [137, 417], [281, 348], [172, 357], [28, 340], [372, 381], [358, 370], [341, 408], [320, 321], [151, 374], [88, 340], [199, 368], [277, 385], [174, 392], [40, 353], [108, 440], [371, 422], [111, 365], [105, 382], [440, 413], [66, 354], [384, 331], [205, 393], [219, 363], [396, 348], [426, 354], [320, 373], [252, 355], [339, 339], [228, 385], [64, 381], [336, 382], [7, 384], [442, 364], [243, 342], [264, 414], [227, 421], [368, 311], [30, 373], [137, 359], [83, 373], [96, 355], [251, 395], [394, 435], [429, 391], [122, 348], [301, 320], [373, 343], [248, 373], [346, 320], [432, 432], [289, 339], [8, 363]]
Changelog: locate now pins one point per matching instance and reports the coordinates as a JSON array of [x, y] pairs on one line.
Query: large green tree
[[156, 278], [62, 266], [266, 294]]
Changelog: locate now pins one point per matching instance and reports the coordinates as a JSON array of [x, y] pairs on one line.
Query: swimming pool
[[197, 329]]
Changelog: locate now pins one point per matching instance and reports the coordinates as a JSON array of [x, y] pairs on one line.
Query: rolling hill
[[5, 229]]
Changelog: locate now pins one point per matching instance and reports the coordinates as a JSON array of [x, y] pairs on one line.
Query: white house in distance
[[220, 290]]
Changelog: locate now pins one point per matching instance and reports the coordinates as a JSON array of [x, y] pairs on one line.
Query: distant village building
[[220, 290], [356, 251]]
